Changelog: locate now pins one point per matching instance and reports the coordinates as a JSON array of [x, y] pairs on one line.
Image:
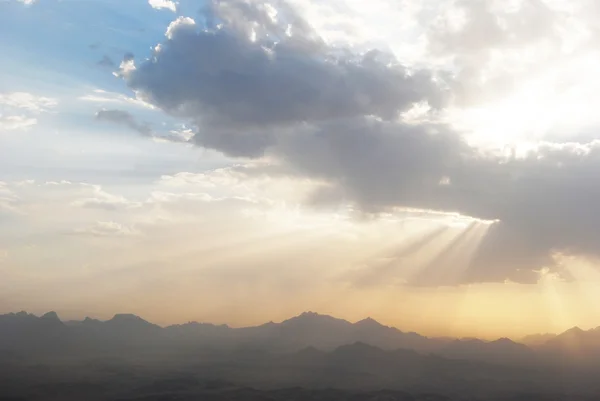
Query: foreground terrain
[[117, 380]]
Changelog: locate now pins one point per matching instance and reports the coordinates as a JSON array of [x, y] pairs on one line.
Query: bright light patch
[[559, 103], [163, 4]]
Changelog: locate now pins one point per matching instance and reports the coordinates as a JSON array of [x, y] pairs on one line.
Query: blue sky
[[52, 49]]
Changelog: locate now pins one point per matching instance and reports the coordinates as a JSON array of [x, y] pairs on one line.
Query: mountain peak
[[360, 345], [310, 316], [126, 317], [312, 320], [129, 319], [537, 339], [573, 331], [50, 316], [508, 344], [19, 316], [358, 348], [504, 340], [369, 322]]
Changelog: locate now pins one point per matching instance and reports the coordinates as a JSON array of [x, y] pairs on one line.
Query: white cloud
[[243, 181], [106, 98], [181, 135], [180, 24], [160, 4], [27, 101], [101, 199], [8, 198], [9, 123], [107, 229], [169, 197], [18, 110], [61, 205]]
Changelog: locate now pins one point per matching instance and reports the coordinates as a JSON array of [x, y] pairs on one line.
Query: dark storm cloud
[[545, 201], [255, 84], [124, 118], [376, 164], [222, 78]]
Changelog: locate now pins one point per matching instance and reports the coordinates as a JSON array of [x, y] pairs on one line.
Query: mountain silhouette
[[536, 340], [51, 317], [502, 350], [307, 334], [127, 321], [311, 350], [574, 344]]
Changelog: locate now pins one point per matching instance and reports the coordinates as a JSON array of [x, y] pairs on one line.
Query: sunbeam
[[394, 265], [447, 267]]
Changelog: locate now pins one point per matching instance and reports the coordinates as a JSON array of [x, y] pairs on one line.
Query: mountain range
[[127, 357], [23, 334]]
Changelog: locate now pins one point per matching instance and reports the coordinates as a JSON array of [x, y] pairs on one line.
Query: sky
[[432, 164]]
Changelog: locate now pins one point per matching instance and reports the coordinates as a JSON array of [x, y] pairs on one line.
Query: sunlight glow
[[546, 104]]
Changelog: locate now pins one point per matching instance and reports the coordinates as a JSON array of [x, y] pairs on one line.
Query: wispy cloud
[[107, 229], [105, 97], [19, 110], [27, 101], [16, 122]]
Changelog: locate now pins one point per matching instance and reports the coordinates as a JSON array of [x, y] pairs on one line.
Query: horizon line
[[305, 313]]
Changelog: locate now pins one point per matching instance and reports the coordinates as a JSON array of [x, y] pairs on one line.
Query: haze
[[431, 164]]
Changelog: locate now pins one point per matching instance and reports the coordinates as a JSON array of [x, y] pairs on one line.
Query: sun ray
[[436, 270], [449, 265], [548, 287], [394, 261]]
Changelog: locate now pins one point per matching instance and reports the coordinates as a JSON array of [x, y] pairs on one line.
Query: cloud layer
[[257, 80]]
